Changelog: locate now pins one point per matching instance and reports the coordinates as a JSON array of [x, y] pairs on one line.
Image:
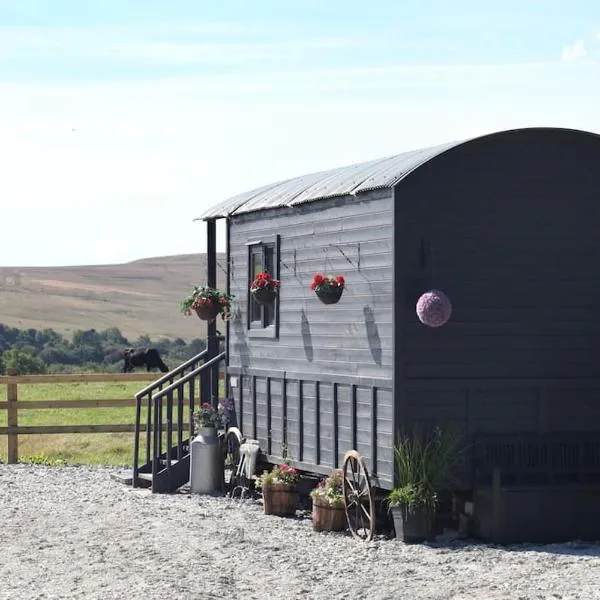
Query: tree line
[[33, 351]]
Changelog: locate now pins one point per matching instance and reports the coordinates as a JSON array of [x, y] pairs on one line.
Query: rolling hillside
[[140, 297]]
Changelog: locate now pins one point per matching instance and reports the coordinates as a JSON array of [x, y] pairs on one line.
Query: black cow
[[138, 357]]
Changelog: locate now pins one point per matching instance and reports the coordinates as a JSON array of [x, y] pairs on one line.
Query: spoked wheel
[[358, 497], [231, 455]]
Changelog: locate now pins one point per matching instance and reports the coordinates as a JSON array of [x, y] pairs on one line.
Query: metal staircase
[[168, 426]]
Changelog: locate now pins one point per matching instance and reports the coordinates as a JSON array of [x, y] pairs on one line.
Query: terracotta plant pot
[[330, 295], [208, 312], [328, 518], [280, 499], [265, 295]]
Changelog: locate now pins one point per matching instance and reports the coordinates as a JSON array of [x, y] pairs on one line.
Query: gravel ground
[[73, 532]]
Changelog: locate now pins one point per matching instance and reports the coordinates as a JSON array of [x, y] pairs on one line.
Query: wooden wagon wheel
[[231, 455], [358, 497]]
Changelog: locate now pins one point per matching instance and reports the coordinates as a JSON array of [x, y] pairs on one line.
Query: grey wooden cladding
[[323, 419], [352, 337]]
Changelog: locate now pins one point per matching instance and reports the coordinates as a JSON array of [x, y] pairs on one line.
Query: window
[[263, 320]]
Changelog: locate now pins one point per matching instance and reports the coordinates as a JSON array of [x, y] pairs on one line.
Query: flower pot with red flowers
[[264, 288], [208, 303], [328, 288], [328, 510], [279, 490]]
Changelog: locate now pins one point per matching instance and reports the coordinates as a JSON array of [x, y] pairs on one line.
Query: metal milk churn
[[206, 462]]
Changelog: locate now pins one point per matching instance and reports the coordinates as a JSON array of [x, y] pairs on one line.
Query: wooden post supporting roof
[[212, 341]]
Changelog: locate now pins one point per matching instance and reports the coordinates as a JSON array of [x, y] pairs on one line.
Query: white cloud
[[575, 51], [148, 156]]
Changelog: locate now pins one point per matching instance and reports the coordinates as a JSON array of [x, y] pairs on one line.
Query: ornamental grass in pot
[[208, 303], [279, 493], [425, 461], [328, 512]]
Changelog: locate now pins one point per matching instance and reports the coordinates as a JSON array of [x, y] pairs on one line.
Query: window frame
[[259, 328]]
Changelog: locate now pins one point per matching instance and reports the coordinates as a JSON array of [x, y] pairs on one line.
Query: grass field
[[140, 297], [74, 448]]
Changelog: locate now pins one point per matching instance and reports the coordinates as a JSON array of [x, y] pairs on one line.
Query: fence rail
[[12, 405]]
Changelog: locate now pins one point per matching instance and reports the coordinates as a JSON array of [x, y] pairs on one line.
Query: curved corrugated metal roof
[[343, 181], [353, 179]]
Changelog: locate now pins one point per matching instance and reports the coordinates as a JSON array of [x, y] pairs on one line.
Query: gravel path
[[73, 532]]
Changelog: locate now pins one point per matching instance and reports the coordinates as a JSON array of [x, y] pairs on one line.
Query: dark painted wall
[[309, 392], [509, 229]]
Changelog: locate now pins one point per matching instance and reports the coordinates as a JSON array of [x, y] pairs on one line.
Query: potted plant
[[208, 303], [264, 288], [206, 460], [328, 288], [328, 513], [424, 463], [279, 490], [208, 417]]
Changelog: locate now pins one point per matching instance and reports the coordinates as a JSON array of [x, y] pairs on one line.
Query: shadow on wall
[[239, 343], [306, 337], [372, 334]]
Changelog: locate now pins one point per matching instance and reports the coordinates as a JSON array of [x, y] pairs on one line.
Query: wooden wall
[[509, 228], [308, 393]]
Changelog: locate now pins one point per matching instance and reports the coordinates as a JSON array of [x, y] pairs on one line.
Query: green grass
[[74, 448]]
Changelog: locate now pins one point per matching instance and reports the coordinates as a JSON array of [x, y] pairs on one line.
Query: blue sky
[[121, 121]]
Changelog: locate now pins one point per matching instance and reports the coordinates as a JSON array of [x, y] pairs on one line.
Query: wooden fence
[[12, 405]]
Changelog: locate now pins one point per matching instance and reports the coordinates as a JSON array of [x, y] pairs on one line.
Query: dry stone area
[[74, 532]]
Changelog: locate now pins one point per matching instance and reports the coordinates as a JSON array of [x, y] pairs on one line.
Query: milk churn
[[206, 462]]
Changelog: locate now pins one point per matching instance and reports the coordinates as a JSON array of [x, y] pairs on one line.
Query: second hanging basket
[[330, 295]]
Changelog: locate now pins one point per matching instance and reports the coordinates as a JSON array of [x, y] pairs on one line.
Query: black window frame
[[267, 325]]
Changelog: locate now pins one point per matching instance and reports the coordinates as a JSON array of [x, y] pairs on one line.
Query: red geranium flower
[[323, 282]]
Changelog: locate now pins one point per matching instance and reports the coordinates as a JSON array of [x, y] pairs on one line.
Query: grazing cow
[[138, 357]]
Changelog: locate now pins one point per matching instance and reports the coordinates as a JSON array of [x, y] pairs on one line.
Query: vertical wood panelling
[[363, 425], [317, 422], [293, 436], [309, 434], [269, 418], [301, 420], [336, 434]]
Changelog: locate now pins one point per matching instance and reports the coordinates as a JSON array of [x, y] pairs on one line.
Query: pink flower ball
[[434, 308]]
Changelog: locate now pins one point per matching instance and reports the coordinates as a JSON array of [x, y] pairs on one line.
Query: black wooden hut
[[507, 226]]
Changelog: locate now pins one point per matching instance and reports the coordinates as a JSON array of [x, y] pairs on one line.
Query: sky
[[121, 121]]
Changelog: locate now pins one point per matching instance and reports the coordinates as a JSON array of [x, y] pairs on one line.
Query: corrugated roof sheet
[[353, 179]]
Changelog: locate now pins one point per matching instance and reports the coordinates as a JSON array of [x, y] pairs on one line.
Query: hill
[[139, 297]]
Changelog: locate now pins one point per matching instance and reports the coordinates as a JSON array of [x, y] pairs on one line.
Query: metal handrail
[[173, 386], [182, 367], [156, 399]]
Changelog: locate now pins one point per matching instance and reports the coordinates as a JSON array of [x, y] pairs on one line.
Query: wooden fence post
[[12, 419]]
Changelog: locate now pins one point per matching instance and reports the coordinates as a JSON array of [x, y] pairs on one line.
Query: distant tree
[[113, 336], [59, 354], [25, 363], [88, 337], [196, 346], [143, 340]]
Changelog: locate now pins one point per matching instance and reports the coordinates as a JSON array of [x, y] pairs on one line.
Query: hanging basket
[[265, 295], [208, 312], [328, 518], [330, 295], [280, 499]]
